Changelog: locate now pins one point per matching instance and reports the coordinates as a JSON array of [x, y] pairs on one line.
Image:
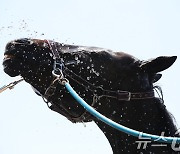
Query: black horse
[[116, 84]]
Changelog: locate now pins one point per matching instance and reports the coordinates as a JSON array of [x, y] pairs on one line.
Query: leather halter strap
[[100, 92], [53, 48]]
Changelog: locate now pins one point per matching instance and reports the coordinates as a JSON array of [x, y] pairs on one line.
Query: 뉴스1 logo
[[144, 141]]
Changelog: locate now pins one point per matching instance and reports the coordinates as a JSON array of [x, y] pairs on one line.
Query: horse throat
[[149, 116]]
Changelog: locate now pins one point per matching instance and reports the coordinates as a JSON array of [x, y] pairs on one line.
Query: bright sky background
[[143, 28]]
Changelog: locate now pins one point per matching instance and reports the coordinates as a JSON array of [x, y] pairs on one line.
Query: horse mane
[[168, 115]]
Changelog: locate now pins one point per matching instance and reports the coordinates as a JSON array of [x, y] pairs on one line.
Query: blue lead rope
[[117, 126]]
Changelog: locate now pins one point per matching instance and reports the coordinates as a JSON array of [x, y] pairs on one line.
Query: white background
[[145, 29]]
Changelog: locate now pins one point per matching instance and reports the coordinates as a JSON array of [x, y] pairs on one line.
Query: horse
[[116, 84]]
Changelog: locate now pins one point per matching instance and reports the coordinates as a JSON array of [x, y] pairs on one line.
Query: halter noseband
[[60, 68]]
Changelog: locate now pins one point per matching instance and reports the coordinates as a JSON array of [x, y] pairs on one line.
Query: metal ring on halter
[[63, 81], [60, 76]]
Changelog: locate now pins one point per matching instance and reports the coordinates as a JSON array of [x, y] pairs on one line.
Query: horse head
[[116, 84], [88, 66]]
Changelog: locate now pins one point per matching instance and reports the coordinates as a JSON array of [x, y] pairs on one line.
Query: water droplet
[[114, 112], [76, 58]]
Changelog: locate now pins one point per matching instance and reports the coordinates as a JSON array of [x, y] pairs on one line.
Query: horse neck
[[148, 116]]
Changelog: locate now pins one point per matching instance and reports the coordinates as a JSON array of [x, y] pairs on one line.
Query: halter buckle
[[124, 95]]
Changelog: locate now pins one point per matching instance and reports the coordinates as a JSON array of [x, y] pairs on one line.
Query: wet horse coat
[[33, 60]]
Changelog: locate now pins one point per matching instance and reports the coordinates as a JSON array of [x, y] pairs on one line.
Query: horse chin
[[11, 67], [11, 72]]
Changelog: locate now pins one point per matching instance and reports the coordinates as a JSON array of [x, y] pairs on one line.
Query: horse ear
[[155, 77], [158, 64]]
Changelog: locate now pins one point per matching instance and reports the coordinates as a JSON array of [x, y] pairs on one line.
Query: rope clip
[[10, 85], [60, 77]]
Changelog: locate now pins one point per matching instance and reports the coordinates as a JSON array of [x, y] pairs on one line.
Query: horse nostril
[[23, 41]]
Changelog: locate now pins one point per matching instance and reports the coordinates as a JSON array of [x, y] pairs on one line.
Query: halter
[[60, 68]]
